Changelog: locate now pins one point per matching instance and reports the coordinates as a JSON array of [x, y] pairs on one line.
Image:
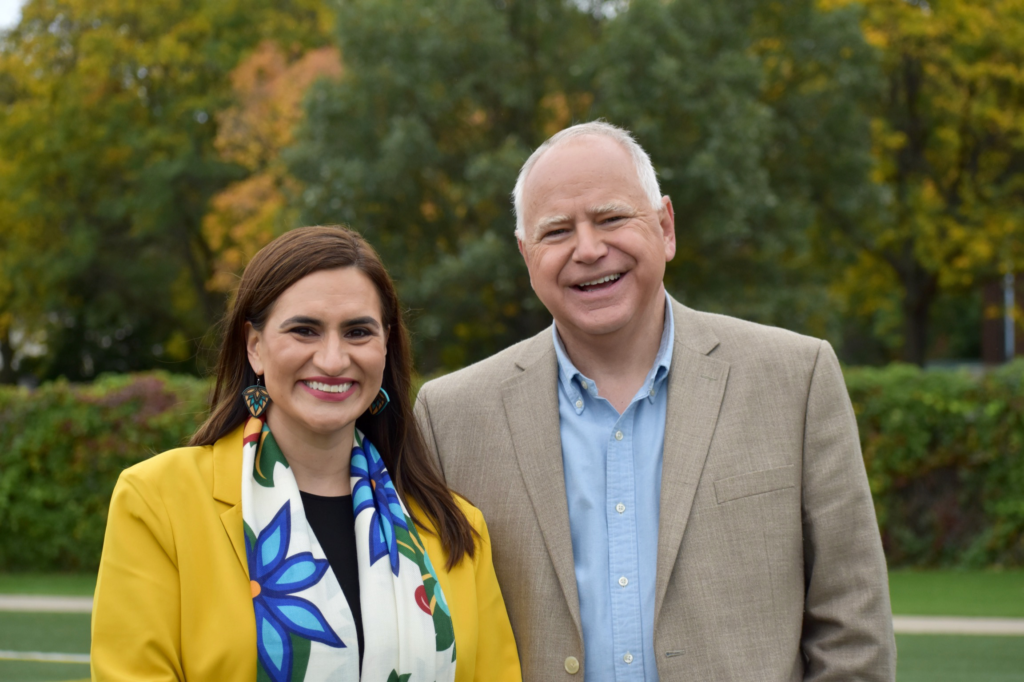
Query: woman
[[304, 534]]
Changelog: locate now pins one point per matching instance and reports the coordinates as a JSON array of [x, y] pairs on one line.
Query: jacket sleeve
[[136, 618], [847, 631], [497, 657]]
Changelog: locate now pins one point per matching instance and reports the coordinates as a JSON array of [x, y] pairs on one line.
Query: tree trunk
[[7, 374], [920, 288]]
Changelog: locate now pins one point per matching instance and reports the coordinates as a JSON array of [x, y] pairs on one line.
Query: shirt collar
[[572, 380]]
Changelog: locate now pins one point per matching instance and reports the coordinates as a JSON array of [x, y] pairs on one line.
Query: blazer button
[[572, 666]]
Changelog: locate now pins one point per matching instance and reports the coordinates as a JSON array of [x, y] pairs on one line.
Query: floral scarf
[[304, 627]]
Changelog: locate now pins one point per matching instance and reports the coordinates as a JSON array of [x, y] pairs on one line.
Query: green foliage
[[107, 163], [945, 458], [944, 453], [62, 447], [749, 110], [752, 114]]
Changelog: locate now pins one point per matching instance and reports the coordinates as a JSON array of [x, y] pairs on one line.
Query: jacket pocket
[[754, 483]]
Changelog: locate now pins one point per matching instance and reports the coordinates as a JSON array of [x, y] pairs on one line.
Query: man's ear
[[667, 219], [252, 348]]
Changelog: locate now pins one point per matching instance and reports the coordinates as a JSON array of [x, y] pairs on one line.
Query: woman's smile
[[326, 388]]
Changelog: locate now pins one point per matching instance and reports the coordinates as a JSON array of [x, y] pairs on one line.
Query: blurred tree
[[753, 114], [750, 110], [418, 146], [948, 135], [106, 166], [268, 87]]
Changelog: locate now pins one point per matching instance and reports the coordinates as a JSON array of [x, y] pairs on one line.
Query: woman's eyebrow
[[366, 320], [301, 319]]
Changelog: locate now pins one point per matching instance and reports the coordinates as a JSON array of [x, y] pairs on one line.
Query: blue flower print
[[374, 490], [273, 580]]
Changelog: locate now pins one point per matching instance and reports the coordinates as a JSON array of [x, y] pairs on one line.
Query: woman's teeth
[[328, 388], [609, 278]]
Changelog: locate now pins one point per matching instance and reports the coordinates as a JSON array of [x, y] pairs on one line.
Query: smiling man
[[671, 494]]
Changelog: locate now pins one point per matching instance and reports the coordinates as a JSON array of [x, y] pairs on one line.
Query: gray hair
[[641, 161]]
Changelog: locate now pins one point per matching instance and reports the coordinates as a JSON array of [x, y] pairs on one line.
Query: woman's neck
[[319, 462]]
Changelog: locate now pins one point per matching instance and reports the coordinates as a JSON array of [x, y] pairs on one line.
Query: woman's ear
[[252, 348]]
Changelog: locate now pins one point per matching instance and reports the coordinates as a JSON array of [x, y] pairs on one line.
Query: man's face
[[595, 247]]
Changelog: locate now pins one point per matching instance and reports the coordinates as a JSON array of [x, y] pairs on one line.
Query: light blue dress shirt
[[613, 485]]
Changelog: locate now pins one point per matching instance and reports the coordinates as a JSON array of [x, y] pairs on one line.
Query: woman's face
[[321, 352]]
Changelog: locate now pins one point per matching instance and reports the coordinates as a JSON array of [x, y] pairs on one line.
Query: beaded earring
[[256, 398], [380, 402]]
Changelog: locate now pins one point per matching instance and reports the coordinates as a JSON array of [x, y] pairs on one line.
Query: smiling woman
[[298, 537]]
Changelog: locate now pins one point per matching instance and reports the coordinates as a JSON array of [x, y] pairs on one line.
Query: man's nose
[[590, 245], [333, 357]]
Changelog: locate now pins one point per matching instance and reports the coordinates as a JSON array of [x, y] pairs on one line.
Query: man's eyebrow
[[613, 207], [552, 220]]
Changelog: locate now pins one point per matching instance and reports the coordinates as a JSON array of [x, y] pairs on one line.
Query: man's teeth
[[609, 278], [328, 388]]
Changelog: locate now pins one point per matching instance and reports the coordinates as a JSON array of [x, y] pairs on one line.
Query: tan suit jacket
[[770, 565]]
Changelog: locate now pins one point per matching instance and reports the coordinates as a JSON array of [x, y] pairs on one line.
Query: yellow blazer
[[173, 600]]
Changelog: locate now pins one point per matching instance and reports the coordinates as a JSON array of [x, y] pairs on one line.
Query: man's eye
[[557, 232]]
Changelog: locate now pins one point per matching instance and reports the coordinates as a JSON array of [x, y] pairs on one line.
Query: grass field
[[922, 658], [958, 593]]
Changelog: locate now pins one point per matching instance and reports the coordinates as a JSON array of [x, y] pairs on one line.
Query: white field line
[[948, 625], [43, 604], [43, 657]]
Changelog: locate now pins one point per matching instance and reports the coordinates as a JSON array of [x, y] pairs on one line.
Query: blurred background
[[848, 170]]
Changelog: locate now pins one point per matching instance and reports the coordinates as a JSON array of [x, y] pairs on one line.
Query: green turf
[[959, 658], [32, 671], [66, 633], [958, 593], [64, 584]]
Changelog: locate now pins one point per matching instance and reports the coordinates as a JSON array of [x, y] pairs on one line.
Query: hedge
[[944, 453], [62, 447]]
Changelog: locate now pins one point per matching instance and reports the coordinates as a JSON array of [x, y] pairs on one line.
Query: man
[[670, 494]]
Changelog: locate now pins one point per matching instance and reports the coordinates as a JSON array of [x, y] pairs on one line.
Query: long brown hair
[[393, 431]]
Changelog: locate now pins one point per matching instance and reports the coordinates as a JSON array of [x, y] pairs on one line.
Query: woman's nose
[[333, 357]]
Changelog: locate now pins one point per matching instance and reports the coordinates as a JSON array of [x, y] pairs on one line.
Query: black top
[[334, 524]]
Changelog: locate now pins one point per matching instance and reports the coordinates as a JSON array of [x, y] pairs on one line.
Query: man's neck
[[618, 362]]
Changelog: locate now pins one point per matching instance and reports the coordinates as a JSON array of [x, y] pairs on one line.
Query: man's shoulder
[[736, 340], [481, 378]]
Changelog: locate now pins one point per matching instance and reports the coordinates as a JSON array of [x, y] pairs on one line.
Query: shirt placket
[[622, 551]]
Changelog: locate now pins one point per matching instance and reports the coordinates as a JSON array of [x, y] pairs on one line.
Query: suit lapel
[[696, 387], [531, 406], [227, 488]]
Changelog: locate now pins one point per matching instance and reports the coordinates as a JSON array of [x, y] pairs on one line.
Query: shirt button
[[579, 404], [652, 392], [620, 507], [623, 581], [572, 666], [584, 385], [618, 435], [628, 658]]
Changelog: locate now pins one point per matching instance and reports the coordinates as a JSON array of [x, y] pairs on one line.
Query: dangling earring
[[256, 398], [380, 402]]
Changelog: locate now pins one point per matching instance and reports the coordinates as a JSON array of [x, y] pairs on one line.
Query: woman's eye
[[304, 331], [359, 333]]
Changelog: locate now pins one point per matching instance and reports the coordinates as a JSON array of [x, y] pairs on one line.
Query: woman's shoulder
[[185, 468], [473, 515]]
